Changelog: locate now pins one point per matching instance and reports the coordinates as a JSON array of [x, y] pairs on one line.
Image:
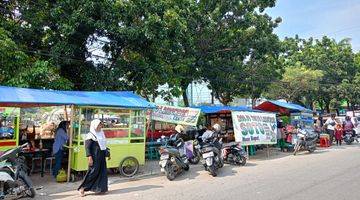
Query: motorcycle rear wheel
[[212, 170], [170, 172], [194, 160], [240, 160], [311, 150]]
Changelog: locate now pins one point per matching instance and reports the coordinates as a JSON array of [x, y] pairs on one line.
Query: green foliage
[[298, 84]]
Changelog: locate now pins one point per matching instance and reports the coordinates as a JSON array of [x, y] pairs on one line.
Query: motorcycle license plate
[[164, 157], [207, 155]]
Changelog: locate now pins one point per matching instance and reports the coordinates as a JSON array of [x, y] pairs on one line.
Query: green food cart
[[125, 133], [123, 113]]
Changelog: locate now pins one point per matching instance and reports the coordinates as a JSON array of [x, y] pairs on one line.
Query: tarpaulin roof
[[281, 107], [23, 97], [222, 109]]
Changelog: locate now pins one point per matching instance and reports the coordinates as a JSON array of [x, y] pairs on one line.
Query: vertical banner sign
[[253, 128], [176, 115]]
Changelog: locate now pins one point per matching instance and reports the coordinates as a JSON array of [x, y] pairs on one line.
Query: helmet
[[216, 127], [179, 128]]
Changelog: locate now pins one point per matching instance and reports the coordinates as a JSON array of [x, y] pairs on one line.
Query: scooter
[[306, 140], [14, 181], [211, 153], [173, 159], [349, 137], [233, 153]]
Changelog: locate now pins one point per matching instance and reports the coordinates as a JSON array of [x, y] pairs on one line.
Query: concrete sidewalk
[[47, 185]]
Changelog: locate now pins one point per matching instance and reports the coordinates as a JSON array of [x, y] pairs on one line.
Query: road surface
[[327, 174]]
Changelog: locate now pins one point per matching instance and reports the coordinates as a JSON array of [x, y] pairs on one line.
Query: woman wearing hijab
[[61, 138], [96, 179]]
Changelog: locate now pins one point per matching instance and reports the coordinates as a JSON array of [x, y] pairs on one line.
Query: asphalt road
[[327, 174]]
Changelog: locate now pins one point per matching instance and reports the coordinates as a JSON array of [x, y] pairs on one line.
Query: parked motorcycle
[[233, 153], [211, 152], [349, 137], [306, 140], [173, 159], [196, 156], [14, 181]]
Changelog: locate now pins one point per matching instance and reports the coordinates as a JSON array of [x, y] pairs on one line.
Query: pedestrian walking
[[61, 138], [339, 131], [96, 179]]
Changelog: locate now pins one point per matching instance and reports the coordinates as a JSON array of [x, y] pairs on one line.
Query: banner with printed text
[[176, 115], [252, 128]]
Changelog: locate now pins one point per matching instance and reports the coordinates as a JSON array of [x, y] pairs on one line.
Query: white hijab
[[96, 136]]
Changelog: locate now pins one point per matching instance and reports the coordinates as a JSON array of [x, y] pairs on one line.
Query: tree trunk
[[212, 98], [253, 102], [185, 98], [327, 106], [337, 111], [184, 87]]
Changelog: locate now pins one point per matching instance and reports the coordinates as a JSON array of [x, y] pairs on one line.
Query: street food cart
[[125, 133], [222, 115], [297, 115], [122, 112]]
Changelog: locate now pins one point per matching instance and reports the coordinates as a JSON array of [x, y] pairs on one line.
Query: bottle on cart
[[40, 144]]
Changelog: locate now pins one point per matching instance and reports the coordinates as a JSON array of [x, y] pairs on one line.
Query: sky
[[337, 19]]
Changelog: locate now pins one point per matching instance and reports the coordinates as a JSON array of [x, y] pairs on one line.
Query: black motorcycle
[[14, 181], [234, 154], [173, 159], [349, 137], [306, 140], [211, 153]]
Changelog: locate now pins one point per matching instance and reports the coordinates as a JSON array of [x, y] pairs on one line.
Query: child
[[338, 134]]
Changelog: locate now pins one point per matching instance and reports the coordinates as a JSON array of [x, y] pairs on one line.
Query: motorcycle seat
[[230, 144]]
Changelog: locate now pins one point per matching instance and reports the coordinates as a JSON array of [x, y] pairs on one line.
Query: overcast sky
[[337, 19]]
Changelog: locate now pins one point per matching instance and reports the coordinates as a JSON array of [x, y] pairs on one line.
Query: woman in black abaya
[[96, 179]]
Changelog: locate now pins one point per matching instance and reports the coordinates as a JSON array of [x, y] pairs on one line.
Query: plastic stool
[[50, 159], [324, 142], [33, 163]]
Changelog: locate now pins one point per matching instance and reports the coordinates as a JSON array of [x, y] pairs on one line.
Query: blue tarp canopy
[[281, 107], [23, 97], [222, 109]]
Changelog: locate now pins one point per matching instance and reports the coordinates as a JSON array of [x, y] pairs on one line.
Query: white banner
[[253, 128], [176, 115]]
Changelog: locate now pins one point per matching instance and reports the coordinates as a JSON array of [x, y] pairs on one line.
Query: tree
[[237, 48], [19, 69], [334, 59], [299, 84]]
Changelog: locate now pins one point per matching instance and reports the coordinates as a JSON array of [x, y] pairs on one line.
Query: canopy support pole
[[70, 141], [247, 152]]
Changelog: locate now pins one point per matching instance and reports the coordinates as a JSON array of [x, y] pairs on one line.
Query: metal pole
[[247, 152], [70, 141], [268, 151]]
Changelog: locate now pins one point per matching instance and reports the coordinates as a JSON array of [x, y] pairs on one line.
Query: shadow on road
[[134, 189]]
